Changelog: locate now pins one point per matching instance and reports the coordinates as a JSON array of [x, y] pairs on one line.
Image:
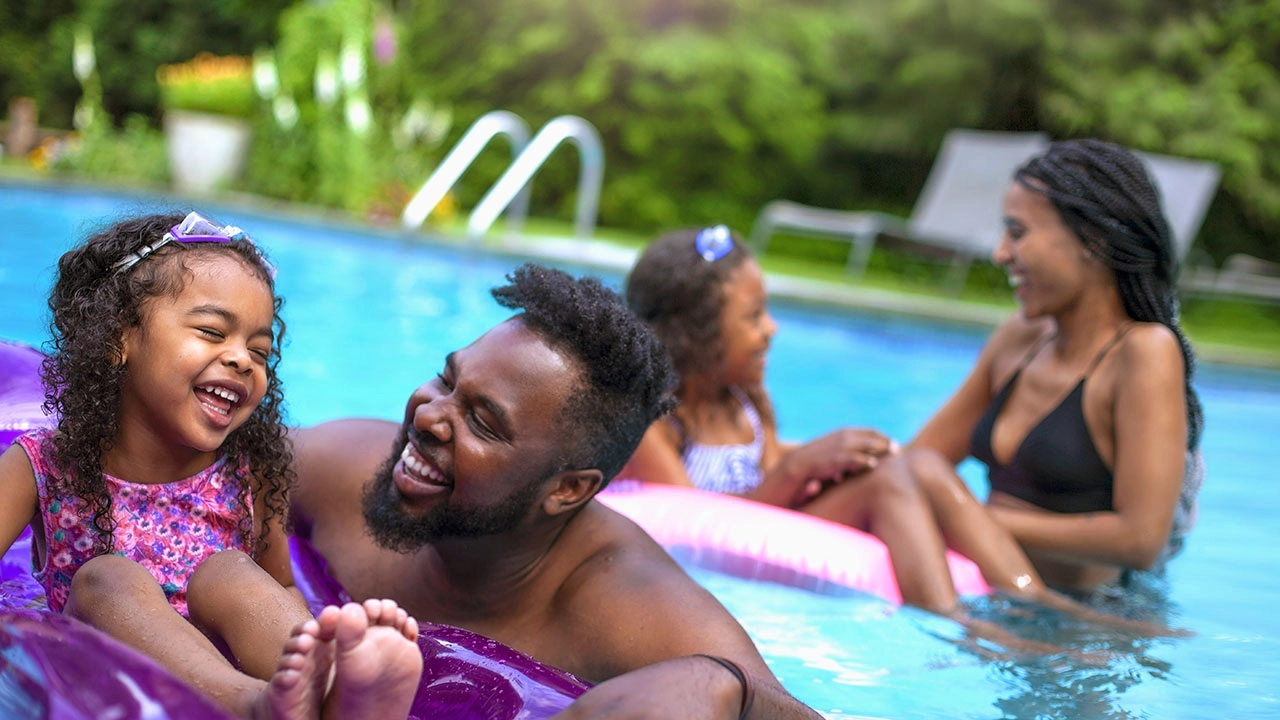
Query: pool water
[[371, 315]]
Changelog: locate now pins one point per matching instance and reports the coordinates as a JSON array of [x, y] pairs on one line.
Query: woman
[[1081, 403]]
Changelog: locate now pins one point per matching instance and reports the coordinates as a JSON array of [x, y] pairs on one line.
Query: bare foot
[[297, 689], [376, 662], [1080, 611], [388, 613]]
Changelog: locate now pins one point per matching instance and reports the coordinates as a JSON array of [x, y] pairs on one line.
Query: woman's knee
[[893, 481], [858, 499], [931, 471]]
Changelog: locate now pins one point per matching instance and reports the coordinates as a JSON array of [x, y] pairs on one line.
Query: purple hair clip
[[194, 228]]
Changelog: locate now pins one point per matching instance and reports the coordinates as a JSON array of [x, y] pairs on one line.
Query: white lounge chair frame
[[958, 210]]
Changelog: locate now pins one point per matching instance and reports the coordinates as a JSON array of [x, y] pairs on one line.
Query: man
[[483, 516]]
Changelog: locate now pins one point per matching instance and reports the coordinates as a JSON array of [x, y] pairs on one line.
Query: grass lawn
[[1221, 329]]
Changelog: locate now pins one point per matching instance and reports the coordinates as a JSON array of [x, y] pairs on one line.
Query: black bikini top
[[1057, 466]]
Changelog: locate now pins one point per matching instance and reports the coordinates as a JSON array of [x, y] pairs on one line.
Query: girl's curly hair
[[92, 304], [680, 295]]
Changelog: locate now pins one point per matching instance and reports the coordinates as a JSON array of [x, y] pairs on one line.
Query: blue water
[[371, 315]]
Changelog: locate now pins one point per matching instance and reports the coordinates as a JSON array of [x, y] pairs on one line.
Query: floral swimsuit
[[169, 529]]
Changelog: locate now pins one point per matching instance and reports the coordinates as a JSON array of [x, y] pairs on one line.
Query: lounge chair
[[957, 213], [1186, 188], [1242, 276]]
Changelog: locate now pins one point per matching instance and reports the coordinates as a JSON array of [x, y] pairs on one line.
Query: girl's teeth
[[222, 392]]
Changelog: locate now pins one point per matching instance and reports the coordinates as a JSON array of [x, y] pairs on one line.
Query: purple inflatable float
[[55, 668]]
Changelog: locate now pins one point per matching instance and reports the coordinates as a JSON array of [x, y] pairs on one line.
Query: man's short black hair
[[627, 379]]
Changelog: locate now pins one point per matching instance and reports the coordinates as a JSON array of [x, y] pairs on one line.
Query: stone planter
[[205, 151]]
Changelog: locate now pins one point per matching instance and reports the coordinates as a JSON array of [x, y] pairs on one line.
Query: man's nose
[[435, 417]]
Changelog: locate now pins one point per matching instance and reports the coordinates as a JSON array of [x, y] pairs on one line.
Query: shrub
[[211, 84]]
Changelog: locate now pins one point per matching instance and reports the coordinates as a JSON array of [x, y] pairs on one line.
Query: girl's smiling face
[[197, 365], [746, 327]]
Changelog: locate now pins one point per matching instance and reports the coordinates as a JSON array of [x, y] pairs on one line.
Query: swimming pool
[[371, 315]]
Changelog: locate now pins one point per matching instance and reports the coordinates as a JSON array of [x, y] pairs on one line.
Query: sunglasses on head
[[194, 228]]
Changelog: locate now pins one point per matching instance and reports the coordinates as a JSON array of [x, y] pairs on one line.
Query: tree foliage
[[710, 108], [1197, 80]]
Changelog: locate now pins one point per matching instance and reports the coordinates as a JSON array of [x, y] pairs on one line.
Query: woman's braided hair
[[1105, 196]]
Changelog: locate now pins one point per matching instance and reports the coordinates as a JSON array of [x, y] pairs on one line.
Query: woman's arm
[[1149, 426]]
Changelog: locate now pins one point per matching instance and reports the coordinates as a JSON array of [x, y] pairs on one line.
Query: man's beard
[[395, 529]]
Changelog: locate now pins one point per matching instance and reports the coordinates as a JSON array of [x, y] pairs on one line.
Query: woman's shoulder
[[1147, 346]]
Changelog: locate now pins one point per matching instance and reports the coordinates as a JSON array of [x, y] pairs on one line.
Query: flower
[[222, 85]]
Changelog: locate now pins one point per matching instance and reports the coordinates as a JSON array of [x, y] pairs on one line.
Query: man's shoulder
[[614, 560], [333, 460], [627, 604]]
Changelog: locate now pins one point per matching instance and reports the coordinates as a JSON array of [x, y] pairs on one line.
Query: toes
[[383, 612], [327, 622], [353, 621]]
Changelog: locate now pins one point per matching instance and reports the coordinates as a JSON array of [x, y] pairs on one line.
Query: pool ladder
[[512, 189]]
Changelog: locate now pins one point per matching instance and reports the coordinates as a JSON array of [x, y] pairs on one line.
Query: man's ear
[[571, 489]]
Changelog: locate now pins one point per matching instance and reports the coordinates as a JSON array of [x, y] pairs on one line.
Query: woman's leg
[[232, 598], [886, 503], [969, 529]]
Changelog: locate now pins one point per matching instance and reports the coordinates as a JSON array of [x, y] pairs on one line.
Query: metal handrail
[[489, 126], [515, 181]]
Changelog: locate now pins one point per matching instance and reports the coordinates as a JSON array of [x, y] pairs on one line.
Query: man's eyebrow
[[492, 407]]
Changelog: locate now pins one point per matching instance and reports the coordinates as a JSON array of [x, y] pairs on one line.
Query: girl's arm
[[657, 458], [800, 472], [1150, 430], [18, 499]]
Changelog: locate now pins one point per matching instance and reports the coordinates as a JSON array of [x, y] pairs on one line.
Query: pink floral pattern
[[169, 529]]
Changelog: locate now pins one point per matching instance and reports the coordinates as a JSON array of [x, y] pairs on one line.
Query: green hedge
[[710, 108]]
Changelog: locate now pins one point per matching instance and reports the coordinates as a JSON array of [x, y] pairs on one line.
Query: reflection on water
[[858, 657]]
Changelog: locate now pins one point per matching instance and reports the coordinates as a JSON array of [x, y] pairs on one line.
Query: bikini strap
[[1106, 349], [1035, 350], [748, 407]]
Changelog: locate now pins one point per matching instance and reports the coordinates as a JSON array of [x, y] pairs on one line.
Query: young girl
[[704, 295], [157, 504]]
